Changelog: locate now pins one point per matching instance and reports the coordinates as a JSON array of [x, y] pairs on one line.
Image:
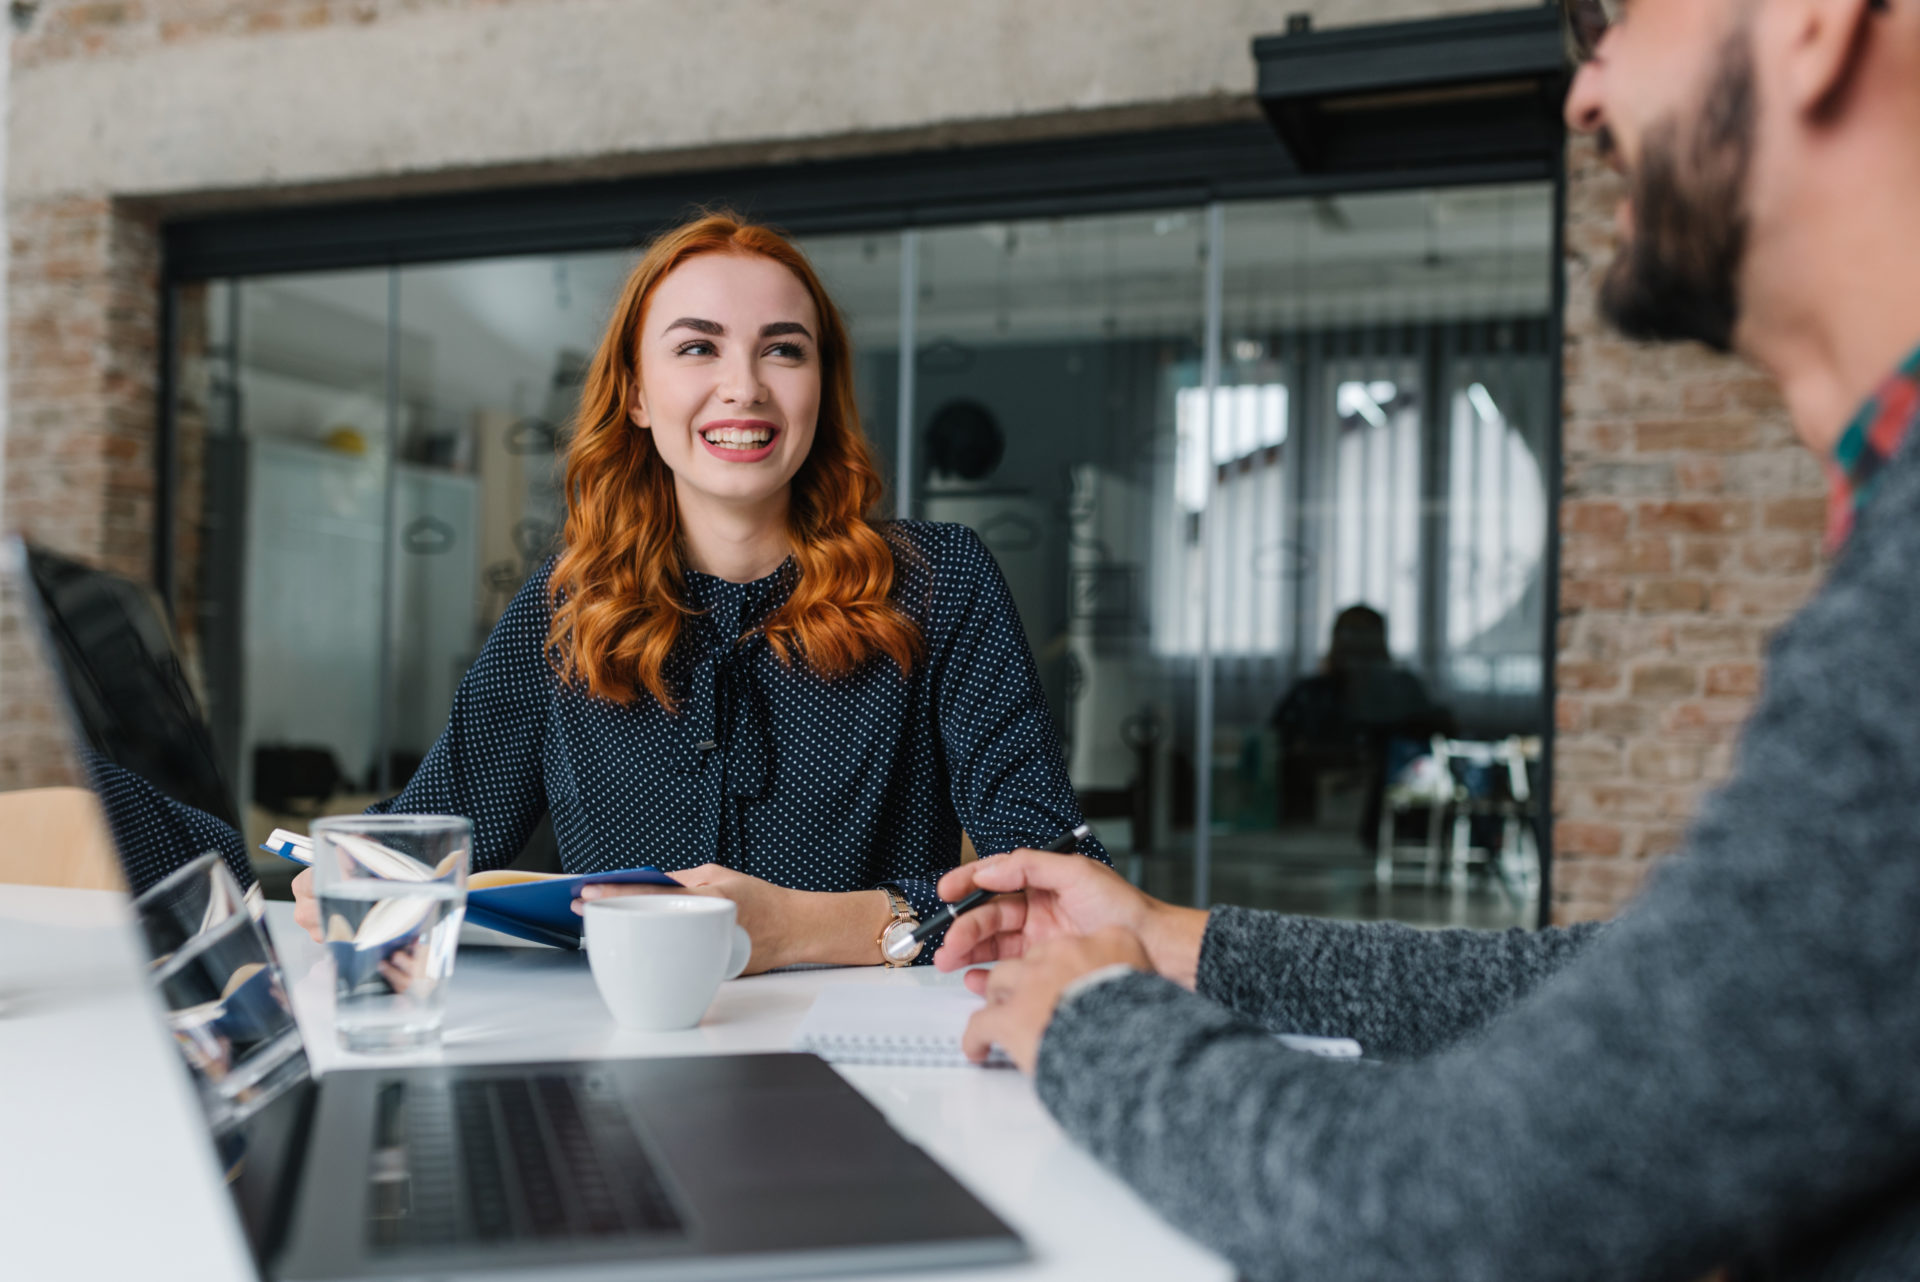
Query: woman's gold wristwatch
[[897, 948]]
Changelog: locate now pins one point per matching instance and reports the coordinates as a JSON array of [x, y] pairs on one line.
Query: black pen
[[1065, 845]]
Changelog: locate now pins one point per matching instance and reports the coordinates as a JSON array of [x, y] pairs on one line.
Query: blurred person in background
[[1361, 713], [1721, 1078]]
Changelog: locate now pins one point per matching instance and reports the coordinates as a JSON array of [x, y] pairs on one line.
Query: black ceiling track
[[1441, 102], [1107, 173], [1469, 90]]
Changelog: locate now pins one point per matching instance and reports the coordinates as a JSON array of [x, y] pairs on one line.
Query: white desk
[[98, 1128], [105, 1168]]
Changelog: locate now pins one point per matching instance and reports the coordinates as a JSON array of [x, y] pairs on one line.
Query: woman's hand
[[786, 926], [306, 907], [1044, 897]]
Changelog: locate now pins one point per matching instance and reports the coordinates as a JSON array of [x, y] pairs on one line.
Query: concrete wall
[[147, 97]]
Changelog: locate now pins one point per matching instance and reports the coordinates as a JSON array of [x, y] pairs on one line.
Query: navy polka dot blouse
[[155, 834], [840, 785]]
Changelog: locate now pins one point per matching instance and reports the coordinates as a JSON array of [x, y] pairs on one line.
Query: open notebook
[[919, 1025], [894, 1023]]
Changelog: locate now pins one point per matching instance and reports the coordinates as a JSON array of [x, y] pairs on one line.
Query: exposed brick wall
[[83, 364], [1690, 531], [35, 750], [63, 29], [83, 367]]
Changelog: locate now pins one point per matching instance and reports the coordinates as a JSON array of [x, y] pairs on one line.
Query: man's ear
[[637, 411], [1824, 42]]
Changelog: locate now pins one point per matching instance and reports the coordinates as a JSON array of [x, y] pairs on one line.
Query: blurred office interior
[[370, 461]]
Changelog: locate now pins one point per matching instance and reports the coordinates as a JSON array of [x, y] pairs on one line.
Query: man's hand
[[1021, 995], [1045, 897]]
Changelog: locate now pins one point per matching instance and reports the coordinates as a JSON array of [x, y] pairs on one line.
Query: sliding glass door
[[1287, 603], [1050, 355]]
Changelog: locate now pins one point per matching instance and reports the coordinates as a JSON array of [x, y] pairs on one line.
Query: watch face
[[896, 936]]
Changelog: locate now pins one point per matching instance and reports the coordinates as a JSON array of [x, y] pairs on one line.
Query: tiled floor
[[1327, 875]]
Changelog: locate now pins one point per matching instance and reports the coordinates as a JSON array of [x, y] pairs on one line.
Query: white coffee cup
[[659, 959]]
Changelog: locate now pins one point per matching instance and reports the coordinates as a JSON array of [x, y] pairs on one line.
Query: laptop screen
[[138, 732]]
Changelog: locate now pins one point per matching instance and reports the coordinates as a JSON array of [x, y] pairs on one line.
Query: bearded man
[[1724, 1077]]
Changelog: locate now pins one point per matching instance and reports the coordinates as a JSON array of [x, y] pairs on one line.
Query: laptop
[[747, 1166]]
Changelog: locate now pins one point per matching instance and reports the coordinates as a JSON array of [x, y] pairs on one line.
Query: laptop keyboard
[[503, 1159]]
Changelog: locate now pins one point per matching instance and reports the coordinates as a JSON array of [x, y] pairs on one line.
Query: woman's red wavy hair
[[618, 588]]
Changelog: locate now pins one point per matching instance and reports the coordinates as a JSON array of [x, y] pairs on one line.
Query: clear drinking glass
[[225, 1003], [392, 891]]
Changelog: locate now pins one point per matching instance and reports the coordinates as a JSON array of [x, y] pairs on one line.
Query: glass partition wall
[[1287, 603], [1049, 356]]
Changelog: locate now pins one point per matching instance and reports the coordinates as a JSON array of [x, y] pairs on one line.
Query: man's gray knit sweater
[[1729, 1074]]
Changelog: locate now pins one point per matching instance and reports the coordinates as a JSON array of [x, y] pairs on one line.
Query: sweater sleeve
[[1396, 990], [1721, 1076], [487, 763], [156, 835]]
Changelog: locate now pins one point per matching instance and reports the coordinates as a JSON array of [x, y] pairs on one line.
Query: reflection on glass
[[392, 892], [490, 372], [1052, 360], [280, 595], [1375, 569], [222, 993], [1496, 526], [1368, 493], [1248, 425], [862, 275], [1379, 437]]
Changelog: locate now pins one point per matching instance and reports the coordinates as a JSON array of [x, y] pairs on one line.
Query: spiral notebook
[[906, 1023], [919, 1025]]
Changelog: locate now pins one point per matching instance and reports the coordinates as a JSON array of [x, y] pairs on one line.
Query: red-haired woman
[[731, 671]]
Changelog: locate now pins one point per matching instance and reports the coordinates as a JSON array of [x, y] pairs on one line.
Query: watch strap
[[902, 910], [898, 904]]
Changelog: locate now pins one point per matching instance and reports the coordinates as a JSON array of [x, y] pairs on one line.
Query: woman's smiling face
[[730, 376]]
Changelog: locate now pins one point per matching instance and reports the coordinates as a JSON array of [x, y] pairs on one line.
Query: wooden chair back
[[56, 837]]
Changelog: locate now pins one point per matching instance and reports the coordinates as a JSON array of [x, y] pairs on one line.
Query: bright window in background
[[1496, 539], [1404, 509], [1050, 357], [1248, 425], [1371, 532], [1246, 421]]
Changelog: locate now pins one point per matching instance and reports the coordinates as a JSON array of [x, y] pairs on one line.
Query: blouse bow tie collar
[[724, 709], [730, 718]]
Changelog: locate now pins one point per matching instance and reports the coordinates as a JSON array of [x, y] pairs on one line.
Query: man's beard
[[1677, 277]]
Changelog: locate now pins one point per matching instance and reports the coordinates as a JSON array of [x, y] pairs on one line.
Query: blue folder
[[540, 911], [543, 910]]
